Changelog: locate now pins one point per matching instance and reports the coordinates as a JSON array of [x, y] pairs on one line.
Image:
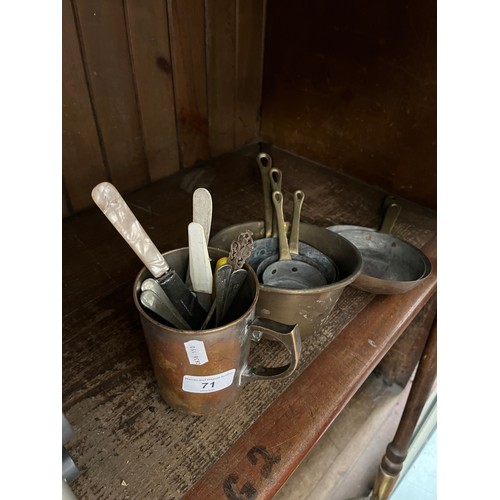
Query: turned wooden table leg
[[396, 451]]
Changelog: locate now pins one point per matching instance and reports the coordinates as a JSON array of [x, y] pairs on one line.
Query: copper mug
[[200, 372]]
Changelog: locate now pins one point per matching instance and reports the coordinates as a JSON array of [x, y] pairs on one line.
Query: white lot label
[[208, 383], [196, 353]]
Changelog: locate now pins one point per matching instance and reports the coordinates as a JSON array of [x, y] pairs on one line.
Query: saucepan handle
[[391, 213], [289, 335]]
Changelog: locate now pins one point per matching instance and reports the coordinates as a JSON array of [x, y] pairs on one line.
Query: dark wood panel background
[[352, 85], [152, 87]]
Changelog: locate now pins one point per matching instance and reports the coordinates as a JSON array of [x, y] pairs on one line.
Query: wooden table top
[[127, 442]]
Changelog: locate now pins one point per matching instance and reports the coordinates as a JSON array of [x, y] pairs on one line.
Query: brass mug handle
[[289, 335]]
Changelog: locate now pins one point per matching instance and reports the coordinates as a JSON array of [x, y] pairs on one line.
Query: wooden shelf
[[128, 443], [344, 463]]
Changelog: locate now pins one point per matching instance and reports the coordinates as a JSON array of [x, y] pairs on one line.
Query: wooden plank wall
[[150, 87], [352, 85]]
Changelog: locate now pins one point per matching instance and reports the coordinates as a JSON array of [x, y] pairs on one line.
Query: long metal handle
[[392, 212], [289, 335], [222, 276], [236, 280], [265, 163], [114, 207], [275, 178], [283, 242], [298, 200]]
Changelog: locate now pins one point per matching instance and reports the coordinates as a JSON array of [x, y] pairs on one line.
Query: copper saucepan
[[285, 272], [266, 251]]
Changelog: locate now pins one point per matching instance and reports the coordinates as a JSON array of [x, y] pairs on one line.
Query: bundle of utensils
[[184, 304]]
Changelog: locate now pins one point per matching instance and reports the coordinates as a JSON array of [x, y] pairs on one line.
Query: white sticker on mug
[[196, 352], [208, 383]]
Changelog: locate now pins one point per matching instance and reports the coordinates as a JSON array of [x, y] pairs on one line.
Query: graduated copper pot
[[310, 308], [390, 265]]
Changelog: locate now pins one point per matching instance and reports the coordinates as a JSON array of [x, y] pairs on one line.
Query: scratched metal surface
[[128, 443]]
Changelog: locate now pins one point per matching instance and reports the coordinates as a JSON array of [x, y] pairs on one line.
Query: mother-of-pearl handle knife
[[114, 207]]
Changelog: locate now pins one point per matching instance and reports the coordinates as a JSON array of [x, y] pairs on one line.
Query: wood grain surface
[[399, 363], [152, 87], [82, 159], [188, 45], [106, 57], [128, 443], [249, 67], [137, 80], [353, 86], [274, 445], [221, 73]]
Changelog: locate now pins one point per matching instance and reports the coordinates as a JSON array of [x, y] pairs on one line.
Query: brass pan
[[390, 265]]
